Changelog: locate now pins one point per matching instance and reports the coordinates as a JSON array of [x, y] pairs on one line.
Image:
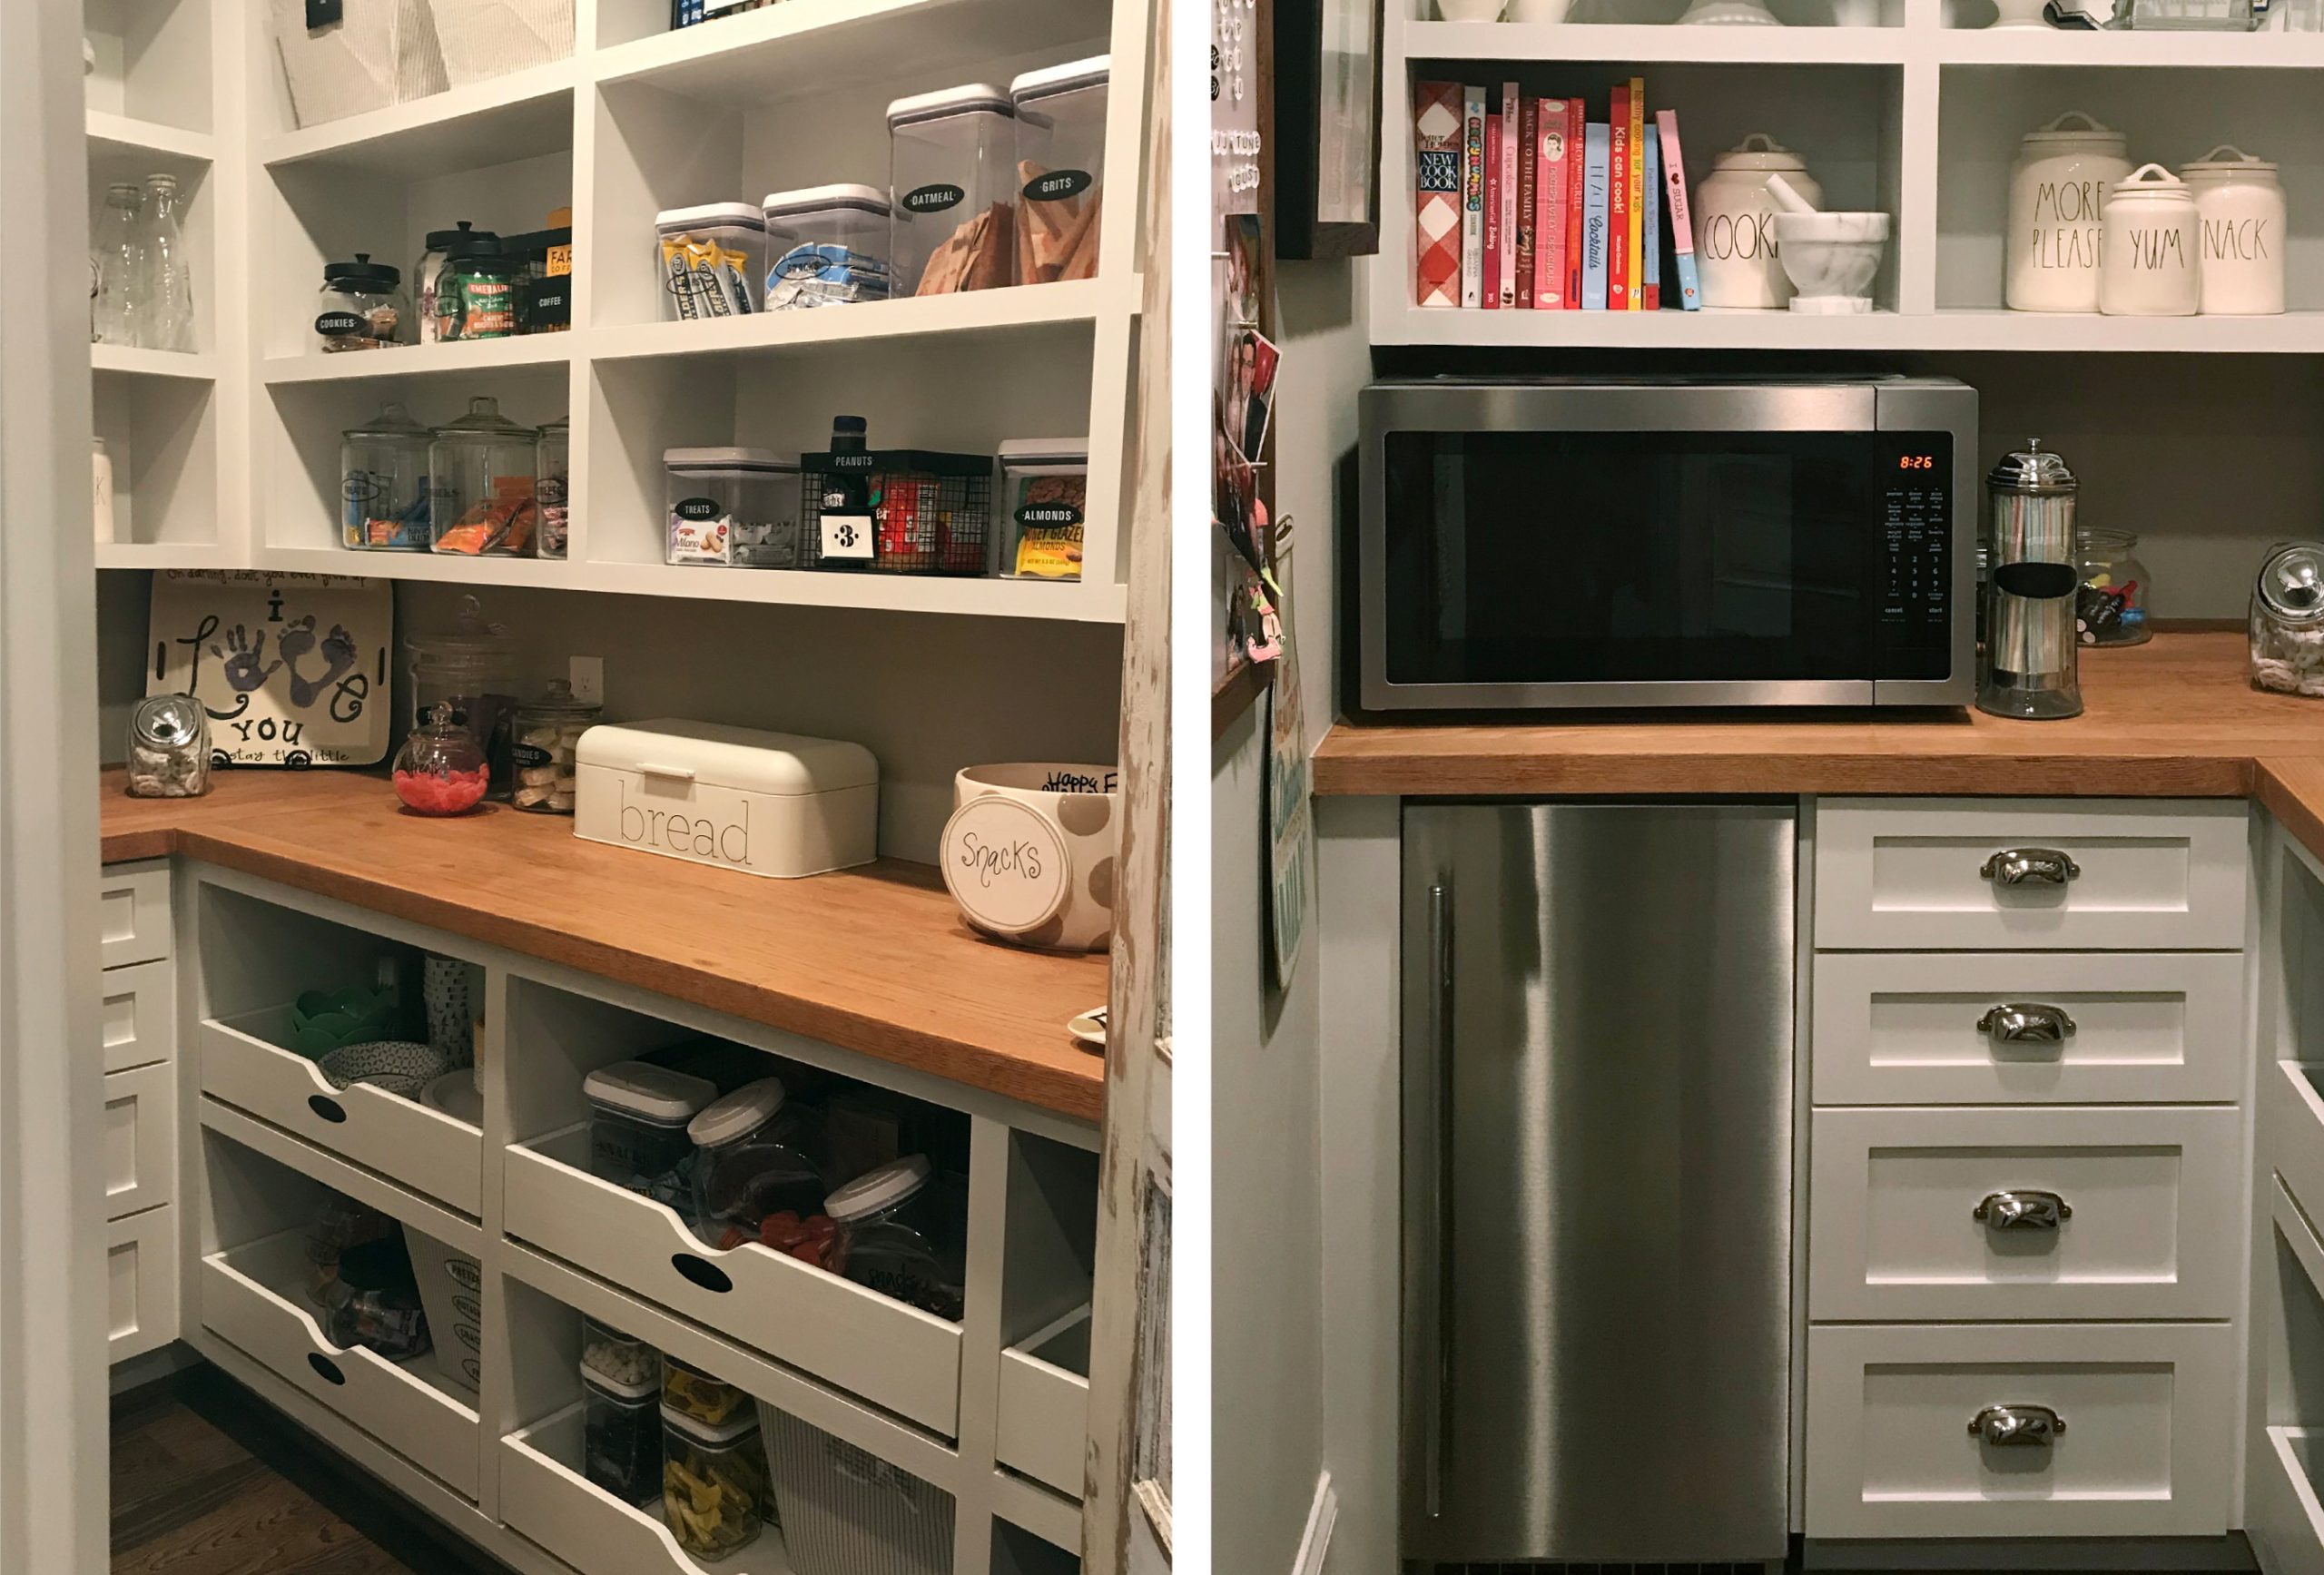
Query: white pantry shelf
[[2294, 333], [969, 312], [465, 356], [145, 363], [2027, 46], [496, 121], [1651, 43], [163, 554], [121, 136]]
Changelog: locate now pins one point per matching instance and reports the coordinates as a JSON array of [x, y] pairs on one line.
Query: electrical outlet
[[589, 679]]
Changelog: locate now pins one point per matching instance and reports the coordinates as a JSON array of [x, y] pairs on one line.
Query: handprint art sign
[[291, 668]]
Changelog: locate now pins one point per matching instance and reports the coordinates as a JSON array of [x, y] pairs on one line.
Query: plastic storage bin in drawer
[[140, 1284], [424, 1149], [1043, 1427], [254, 1298], [892, 1355], [139, 1015], [133, 914], [2006, 1213], [2094, 1429], [141, 1138], [1941, 874], [1909, 1028], [545, 1495]]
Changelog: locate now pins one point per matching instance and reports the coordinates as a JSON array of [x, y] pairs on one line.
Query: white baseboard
[[1317, 1541]]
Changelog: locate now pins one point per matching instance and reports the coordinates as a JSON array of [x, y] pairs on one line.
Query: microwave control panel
[[1913, 579]]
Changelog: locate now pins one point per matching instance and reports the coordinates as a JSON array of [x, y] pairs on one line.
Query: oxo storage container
[[900, 1235], [709, 259], [952, 167], [768, 803], [753, 1159], [638, 1126], [846, 1511], [621, 1430], [1044, 491], [1060, 169], [825, 246], [731, 505], [714, 1483]]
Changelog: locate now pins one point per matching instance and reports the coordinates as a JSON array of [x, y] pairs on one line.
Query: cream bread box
[[770, 803]]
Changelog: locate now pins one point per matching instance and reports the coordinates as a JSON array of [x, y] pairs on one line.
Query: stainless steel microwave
[[1626, 542]]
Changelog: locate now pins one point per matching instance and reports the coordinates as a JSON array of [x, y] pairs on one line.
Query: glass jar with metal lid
[[2110, 609], [432, 279], [2029, 669], [362, 307], [482, 471], [383, 483], [2288, 620], [552, 489], [169, 748]]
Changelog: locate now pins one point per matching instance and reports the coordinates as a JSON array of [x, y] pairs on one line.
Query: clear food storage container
[[477, 296], [2109, 606], [551, 488], [710, 259], [637, 1127], [2288, 620], [756, 1177], [362, 306], [435, 291], [375, 1301], [714, 1483], [897, 1236], [481, 471], [383, 489], [1044, 489], [547, 731], [618, 1357], [621, 1430], [468, 667], [951, 164], [688, 1392], [731, 505], [1060, 169], [825, 246]]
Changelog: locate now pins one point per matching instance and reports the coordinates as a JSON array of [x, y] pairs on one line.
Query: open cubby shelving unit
[[1919, 117], [230, 457]]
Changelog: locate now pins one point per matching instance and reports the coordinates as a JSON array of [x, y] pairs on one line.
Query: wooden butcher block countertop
[[2174, 718], [876, 959]]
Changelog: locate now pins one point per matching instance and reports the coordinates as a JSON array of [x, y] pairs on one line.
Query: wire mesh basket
[[931, 513]]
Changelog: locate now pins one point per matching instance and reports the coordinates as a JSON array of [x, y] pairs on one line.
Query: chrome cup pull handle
[[2026, 1022], [2018, 1426], [2026, 1210], [2031, 867]]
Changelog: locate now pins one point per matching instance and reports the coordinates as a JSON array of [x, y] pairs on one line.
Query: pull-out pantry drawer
[[2003, 1027], [134, 913], [2114, 1212], [139, 1015], [2093, 1429], [1942, 874]]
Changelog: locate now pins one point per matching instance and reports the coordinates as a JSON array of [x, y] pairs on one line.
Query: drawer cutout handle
[[326, 1368], [328, 1108], [2027, 1210], [2018, 1426], [702, 1272], [2031, 867], [2026, 1022]]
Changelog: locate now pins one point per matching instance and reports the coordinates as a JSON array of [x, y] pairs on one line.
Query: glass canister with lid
[[169, 748], [481, 474], [2058, 190], [549, 729], [383, 491], [2239, 218], [2110, 607], [362, 307], [375, 1301], [895, 1236], [2288, 620], [1060, 169], [467, 665], [551, 488], [439, 297], [441, 770], [952, 166]]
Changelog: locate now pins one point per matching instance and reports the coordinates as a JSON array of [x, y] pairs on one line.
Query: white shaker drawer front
[[139, 1015], [1909, 1028], [140, 1284], [141, 1138], [133, 914], [1942, 874], [2095, 1429], [2120, 1212]]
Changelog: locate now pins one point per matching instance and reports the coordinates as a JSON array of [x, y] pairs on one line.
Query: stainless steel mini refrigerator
[[1597, 1181]]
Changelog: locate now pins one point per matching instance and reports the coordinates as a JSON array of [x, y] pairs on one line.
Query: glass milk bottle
[[2058, 190], [169, 276]]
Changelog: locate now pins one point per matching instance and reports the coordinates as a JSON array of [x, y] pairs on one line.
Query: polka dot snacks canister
[[1031, 853]]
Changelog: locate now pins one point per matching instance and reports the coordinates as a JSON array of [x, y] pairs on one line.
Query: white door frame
[[52, 1425]]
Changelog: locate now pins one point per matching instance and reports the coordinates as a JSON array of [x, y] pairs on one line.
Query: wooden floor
[[208, 1481]]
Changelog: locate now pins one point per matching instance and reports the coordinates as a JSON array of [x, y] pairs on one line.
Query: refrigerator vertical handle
[[1436, 1245]]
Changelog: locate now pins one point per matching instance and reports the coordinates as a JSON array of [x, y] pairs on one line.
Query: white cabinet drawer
[[251, 1298], [426, 1151], [2097, 1027], [141, 1138], [1042, 1426], [1930, 874], [140, 1284], [2147, 1449], [1894, 1197], [139, 1015], [134, 913]]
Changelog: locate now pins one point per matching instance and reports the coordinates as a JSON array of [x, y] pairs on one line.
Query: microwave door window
[[1566, 558]]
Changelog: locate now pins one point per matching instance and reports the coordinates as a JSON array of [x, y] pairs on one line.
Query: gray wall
[[1266, 1251], [123, 597]]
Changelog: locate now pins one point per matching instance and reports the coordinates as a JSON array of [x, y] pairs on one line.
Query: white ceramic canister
[[1734, 245], [2239, 218], [2151, 247], [2057, 202]]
